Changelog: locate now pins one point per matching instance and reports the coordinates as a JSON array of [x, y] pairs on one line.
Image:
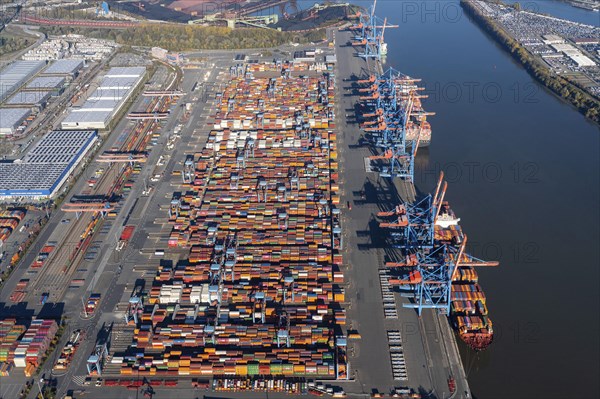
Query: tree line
[[190, 37], [9, 44]]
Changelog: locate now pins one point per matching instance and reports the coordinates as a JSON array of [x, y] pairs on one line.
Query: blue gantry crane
[[391, 101], [370, 34], [432, 263]]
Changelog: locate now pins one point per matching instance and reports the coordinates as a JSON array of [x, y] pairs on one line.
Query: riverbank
[[568, 91], [584, 4]]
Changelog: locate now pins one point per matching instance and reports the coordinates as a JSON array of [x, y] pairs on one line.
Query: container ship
[[468, 310], [418, 127], [469, 314]]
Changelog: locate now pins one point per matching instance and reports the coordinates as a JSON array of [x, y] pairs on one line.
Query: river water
[[523, 173]]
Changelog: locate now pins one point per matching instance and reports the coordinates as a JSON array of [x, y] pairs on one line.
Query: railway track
[[56, 275]]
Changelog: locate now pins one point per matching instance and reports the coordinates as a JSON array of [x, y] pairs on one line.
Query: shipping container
[[256, 218]]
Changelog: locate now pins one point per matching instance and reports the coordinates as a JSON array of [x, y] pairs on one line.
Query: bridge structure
[[122, 156], [163, 93], [147, 115], [79, 207]]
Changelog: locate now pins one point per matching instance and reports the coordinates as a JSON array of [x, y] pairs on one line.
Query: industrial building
[[16, 74], [34, 99], [45, 168], [11, 119], [586, 40], [304, 56], [574, 54], [105, 102], [553, 39], [581, 60], [67, 68]]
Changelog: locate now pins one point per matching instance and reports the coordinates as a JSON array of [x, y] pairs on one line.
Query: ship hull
[[478, 341], [422, 143]]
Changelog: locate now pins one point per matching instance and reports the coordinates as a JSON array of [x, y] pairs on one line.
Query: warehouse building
[[553, 39], [45, 168], [11, 119], [66, 68], [304, 56], [107, 100], [36, 100], [16, 74], [581, 60], [574, 54]]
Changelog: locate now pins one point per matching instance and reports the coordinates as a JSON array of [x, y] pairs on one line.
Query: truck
[[126, 235], [43, 255], [68, 351], [92, 304], [451, 385]]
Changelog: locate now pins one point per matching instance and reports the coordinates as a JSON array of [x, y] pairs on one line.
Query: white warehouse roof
[[14, 75], [11, 118], [63, 67], [110, 95], [582, 60]]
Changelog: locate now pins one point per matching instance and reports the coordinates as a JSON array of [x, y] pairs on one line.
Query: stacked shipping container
[[9, 220], [34, 344], [260, 293], [10, 332]]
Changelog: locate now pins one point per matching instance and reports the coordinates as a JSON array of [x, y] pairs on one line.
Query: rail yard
[[248, 226]]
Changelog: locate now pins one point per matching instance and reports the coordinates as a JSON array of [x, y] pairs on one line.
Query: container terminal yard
[[250, 227]]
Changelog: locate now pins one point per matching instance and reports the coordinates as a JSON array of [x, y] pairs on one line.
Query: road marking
[[78, 379], [368, 168]]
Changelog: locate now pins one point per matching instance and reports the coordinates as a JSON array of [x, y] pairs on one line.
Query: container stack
[[34, 344], [10, 332], [43, 256], [260, 294], [9, 220], [19, 292], [16, 214]]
